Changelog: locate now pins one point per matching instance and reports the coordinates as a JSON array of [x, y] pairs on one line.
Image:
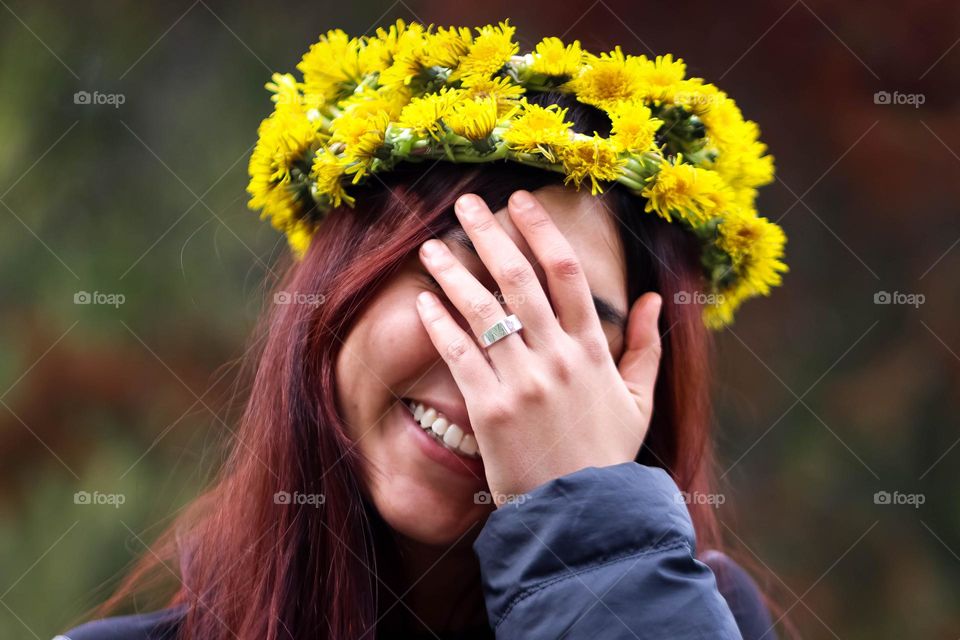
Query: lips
[[432, 446], [444, 430], [453, 412]]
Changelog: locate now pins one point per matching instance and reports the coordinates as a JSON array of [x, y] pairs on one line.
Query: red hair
[[251, 568]]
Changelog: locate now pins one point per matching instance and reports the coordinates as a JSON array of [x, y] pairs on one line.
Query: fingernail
[[430, 248], [425, 298], [468, 207], [521, 200]]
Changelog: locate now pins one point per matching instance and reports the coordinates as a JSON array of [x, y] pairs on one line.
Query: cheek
[[385, 351], [615, 339]]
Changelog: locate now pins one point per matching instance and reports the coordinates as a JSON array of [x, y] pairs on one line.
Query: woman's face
[[424, 488]]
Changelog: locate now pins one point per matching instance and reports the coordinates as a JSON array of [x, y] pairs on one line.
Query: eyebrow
[[606, 310]]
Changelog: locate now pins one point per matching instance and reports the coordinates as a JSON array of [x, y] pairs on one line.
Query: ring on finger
[[500, 330]]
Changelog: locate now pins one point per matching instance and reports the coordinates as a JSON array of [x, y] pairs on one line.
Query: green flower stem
[[633, 184], [633, 175]]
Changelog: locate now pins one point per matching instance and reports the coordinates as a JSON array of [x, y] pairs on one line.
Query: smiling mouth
[[445, 432]]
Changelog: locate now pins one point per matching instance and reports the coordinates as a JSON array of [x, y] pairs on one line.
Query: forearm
[[603, 552]]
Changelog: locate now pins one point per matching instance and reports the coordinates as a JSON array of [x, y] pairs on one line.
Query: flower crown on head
[[412, 93]]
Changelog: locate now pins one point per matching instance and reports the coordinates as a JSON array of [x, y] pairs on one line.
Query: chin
[[429, 519], [422, 490]]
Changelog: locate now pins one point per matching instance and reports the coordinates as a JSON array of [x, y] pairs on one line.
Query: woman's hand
[[551, 400]]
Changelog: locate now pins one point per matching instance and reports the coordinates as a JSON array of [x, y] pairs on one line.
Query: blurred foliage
[[824, 397]]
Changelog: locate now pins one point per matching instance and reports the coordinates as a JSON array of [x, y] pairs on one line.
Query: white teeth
[[428, 417], [440, 426], [468, 445], [444, 431], [453, 436]]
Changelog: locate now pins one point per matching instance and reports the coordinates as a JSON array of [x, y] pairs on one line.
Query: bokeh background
[[827, 396]]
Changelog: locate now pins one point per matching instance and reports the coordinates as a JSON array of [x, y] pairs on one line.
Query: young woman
[[402, 471]]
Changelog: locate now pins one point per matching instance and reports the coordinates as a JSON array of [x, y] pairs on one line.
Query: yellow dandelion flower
[[504, 90], [327, 173], [740, 158], [491, 49], [367, 102], [718, 313], [299, 233], [348, 129], [407, 61], [379, 49], [366, 142], [286, 91], [424, 114], [332, 64], [446, 47], [606, 79], [591, 157], [661, 77], [285, 138], [696, 195], [633, 126], [539, 130], [723, 119], [695, 95], [473, 119], [552, 58], [756, 247]]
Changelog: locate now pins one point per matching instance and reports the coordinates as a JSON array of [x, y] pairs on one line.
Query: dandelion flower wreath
[[413, 93]]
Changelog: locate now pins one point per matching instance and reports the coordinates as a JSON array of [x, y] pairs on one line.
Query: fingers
[[475, 302], [640, 361], [506, 263], [467, 364], [569, 290]]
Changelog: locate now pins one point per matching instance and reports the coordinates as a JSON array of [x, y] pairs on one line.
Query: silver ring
[[500, 330]]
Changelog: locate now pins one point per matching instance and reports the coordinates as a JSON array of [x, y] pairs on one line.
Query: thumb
[[640, 361]]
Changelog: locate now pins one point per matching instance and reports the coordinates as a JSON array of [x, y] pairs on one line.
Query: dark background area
[[826, 396]]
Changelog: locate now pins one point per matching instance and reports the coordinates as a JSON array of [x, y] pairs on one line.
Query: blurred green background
[[826, 396]]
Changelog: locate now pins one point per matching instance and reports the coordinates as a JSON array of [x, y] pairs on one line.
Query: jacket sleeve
[[599, 553]]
